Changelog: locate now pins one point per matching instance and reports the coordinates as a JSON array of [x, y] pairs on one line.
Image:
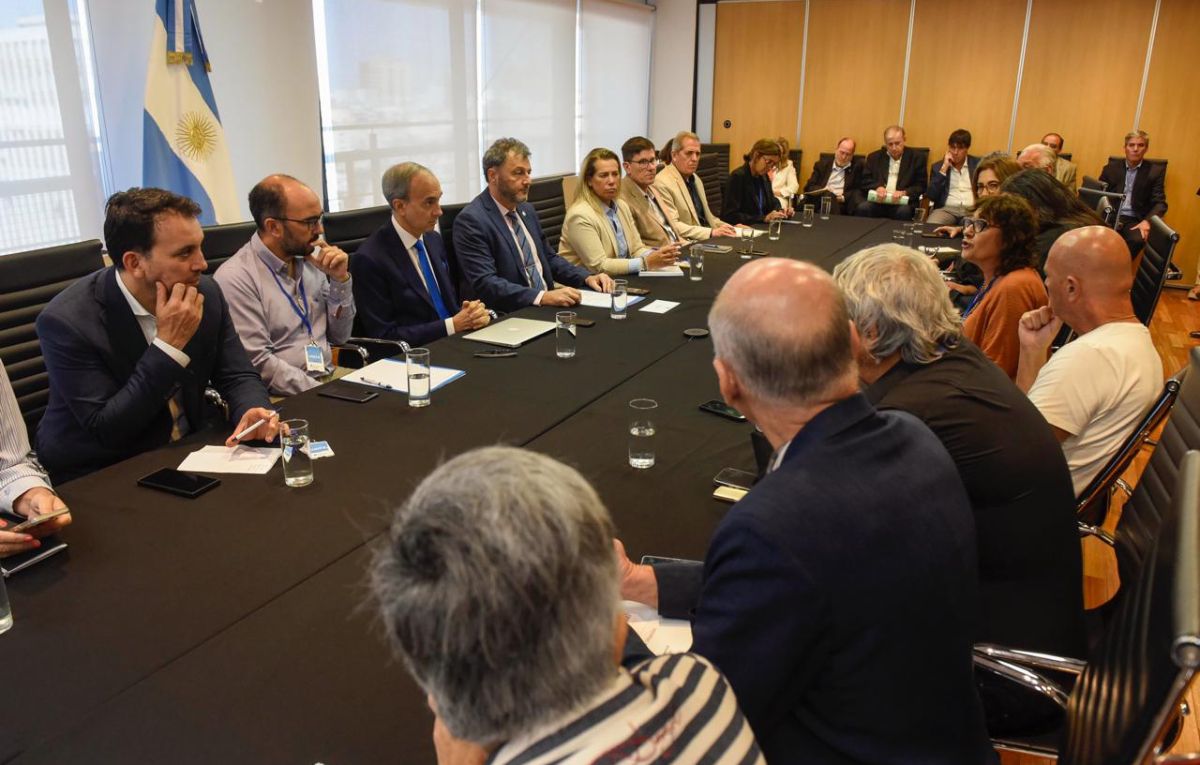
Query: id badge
[[314, 360]]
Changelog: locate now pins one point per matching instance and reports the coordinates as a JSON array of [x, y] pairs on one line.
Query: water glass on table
[[747, 235], [806, 216], [696, 262], [774, 229], [620, 299], [826, 207], [297, 462], [6, 619], [641, 432], [564, 334], [417, 360]]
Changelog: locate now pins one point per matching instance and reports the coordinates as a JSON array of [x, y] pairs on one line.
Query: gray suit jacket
[[676, 198]]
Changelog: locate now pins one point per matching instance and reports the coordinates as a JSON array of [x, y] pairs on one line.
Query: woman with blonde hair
[[599, 232], [784, 182]]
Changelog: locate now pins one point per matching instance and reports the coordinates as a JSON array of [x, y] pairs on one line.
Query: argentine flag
[[184, 147]]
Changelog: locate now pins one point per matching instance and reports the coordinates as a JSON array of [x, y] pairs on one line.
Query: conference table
[[238, 626]]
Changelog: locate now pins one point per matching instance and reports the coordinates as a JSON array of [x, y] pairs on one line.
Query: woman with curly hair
[[1000, 238]]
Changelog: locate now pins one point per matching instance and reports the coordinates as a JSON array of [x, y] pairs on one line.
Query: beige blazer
[[1064, 171], [588, 240], [649, 226], [674, 194]]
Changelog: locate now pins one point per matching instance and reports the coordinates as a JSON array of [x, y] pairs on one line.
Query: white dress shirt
[[837, 179], [19, 470], [960, 194], [893, 172], [410, 245]]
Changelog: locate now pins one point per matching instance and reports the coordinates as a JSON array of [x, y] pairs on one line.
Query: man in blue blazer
[[402, 283], [500, 246], [130, 349], [839, 597], [952, 182]]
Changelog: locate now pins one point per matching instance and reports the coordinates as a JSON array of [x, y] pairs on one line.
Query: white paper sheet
[[392, 374], [248, 460], [659, 306], [602, 299], [660, 635], [668, 271]]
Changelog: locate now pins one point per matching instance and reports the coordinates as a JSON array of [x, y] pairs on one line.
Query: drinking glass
[[806, 217], [696, 262], [826, 207], [418, 377], [620, 299], [297, 463], [747, 235], [899, 235], [6, 620], [774, 229], [564, 333], [641, 432]]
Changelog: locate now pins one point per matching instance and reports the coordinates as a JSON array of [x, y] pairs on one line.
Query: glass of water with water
[[641, 432], [418, 376], [564, 334], [774, 229], [826, 206], [6, 620], [620, 299], [806, 216], [696, 262], [297, 463]]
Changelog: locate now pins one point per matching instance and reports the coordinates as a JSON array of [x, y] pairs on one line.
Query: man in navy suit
[[402, 283], [500, 246], [130, 349], [839, 596], [1142, 184]]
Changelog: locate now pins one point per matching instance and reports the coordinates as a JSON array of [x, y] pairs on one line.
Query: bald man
[[1095, 389], [839, 595], [289, 292]]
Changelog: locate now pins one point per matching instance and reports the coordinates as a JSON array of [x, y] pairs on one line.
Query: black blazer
[[839, 598], [939, 185], [912, 172], [109, 387], [391, 299], [747, 199], [1149, 195], [492, 265]]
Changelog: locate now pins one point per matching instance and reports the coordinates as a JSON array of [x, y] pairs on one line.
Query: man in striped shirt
[[499, 589]]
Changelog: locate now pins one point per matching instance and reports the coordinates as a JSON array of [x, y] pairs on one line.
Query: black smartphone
[[721, 409], [650, 560], [495, 354], [637, 291], [174, 481], [933, 235], [578, 322], [346, 392], [735, 479]]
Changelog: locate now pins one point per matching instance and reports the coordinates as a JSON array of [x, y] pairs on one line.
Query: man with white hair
[[1038, 155], [839, 596], [914, 359], [498, 587]]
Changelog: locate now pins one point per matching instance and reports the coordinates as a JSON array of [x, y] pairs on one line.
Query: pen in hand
[[252, 428]]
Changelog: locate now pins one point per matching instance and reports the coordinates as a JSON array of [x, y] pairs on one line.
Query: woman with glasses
[[990, 173], [599, 232], [1000, 238], [1058, 209], [784, 182], [749, 197]]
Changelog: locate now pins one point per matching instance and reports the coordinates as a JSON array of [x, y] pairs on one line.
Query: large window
[[436, 81], [50, 189]]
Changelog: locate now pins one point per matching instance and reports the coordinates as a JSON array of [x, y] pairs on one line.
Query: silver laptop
[[511, 332]]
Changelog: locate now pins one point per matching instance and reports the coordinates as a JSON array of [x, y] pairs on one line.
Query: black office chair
[[1065, 155], [1151, 275], [1091, 506], [1107, 212], [348, 229], [546, 196], [30, 280], [1126, 703], [222, 242], [446, 224], [713, 172]]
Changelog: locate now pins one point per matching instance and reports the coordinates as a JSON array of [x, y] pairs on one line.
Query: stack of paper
[[602, 299], [667, 271], [248, 460], [660, 635]]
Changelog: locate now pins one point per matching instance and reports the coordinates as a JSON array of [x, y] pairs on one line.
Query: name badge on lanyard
[[314, 358]]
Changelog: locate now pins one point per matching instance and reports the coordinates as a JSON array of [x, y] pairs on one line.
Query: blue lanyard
[[979, 296], [291, 301]]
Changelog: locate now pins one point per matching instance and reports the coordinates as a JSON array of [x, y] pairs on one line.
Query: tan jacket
[[648, 224], [1064, 171], [588, 240], [674, 194]]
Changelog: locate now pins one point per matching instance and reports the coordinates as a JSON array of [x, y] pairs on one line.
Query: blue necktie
[[622, 245], [430, 282], [531, 272]]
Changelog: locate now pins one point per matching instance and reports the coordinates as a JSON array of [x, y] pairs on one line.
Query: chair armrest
[[214, 398], [355, 352], [1030, 658], [378, 348], [1086, 530], [1023, 677]]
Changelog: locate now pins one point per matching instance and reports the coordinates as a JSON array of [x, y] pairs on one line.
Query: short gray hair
[[498, 588], [398, 178], [1046, 157], [1138, 134], [680, 137], [896, 294], [497, 153], [776, 363]]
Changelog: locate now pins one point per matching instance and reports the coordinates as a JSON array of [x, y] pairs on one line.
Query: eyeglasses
[[991, 187], [978, 225], [313, 223], [643, 162]]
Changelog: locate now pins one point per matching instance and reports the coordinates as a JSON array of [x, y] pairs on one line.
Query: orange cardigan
[[992, 324]]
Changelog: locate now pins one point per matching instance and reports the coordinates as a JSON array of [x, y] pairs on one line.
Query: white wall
[[706, 42], [672, 68], [264, 77]]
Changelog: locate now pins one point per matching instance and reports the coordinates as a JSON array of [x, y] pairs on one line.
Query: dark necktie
[[531, 272], [431, 284], [690, 182]]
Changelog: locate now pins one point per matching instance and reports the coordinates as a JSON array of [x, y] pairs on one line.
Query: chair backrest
[[1065, 155], [1088, 182], [446, 225], [1129, 694], [30, 280], [1092, 503], [221, 242], [721, 150], [347, 229], [713, 174], [1107, 212], [797, 158], [1147, 160], [546, 196], [1151, 275], [570, 184]]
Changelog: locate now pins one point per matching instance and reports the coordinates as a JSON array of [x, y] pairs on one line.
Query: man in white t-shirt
[[1094, 390]]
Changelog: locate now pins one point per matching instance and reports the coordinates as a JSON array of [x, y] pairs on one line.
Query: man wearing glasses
[[288, 291], [657, 223]]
